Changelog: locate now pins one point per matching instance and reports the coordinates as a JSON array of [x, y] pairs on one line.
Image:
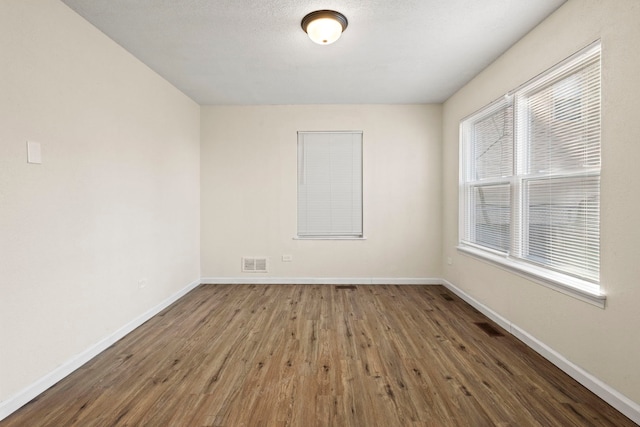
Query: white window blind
[[330, 184], [558, 123], [530, 174], [489, 157]]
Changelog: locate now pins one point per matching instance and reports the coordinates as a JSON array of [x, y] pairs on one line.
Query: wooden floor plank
[[318, 355]]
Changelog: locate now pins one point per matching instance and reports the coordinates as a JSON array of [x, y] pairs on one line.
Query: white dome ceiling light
[[324, 26]]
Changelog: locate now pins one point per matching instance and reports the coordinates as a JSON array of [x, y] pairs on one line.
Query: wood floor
[[303, 355]]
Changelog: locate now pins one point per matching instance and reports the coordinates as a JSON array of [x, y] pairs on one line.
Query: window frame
[[514, 259]]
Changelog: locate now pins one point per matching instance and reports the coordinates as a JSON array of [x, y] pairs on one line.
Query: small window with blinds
[[488, 157], [330, 185], [530, 176]]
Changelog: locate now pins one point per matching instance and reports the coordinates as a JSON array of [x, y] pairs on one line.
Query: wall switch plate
[[34, 152], [287, 258], [449, 260]]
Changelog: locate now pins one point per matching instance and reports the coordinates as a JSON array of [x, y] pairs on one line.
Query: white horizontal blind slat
[[558, 130], [492, 217], [563, 216], [489, 160], [493, 145], [563, 121]]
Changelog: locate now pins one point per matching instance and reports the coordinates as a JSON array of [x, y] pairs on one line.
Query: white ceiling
[[255, 52]]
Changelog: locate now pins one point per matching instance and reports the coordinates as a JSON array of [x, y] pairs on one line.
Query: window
[[330, 184], [530, 177]]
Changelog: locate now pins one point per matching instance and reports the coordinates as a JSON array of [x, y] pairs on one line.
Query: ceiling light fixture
[[324, 26]]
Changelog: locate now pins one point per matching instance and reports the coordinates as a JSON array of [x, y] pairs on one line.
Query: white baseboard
[[623, 404], [501, 321], [23, 397], [267, 280], [607, 393]]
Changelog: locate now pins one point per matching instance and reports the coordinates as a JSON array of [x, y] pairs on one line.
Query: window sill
[[329, 238], [565, 284]]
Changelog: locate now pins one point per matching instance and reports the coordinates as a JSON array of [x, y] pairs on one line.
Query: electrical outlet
[[142, 283], [287, 258]]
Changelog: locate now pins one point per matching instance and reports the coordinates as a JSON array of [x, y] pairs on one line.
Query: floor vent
[[254, 265], [346, 287], [447, 297], [489, 329]]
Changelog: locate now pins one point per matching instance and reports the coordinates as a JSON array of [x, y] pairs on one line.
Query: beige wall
[[116, 199], [248, 165], [605, 342]]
